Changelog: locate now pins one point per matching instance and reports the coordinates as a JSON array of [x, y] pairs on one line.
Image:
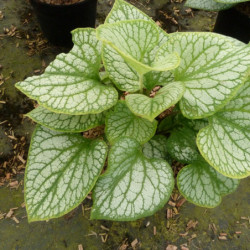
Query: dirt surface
[[60, 2], [24, 51]]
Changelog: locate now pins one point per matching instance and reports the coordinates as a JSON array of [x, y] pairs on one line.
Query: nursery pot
[[57, 21], [235, 23]]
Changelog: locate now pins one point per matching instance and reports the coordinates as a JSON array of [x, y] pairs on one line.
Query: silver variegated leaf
[[202, 185], [132, 39], [66, 123], [133, 186], [225, 143], [156, 148], [123, 76], [210, 5], [181, 145], [71, 84], [62, 169], [122, 122], [149, 108], [122, 10], [231, 1], [212, 69]]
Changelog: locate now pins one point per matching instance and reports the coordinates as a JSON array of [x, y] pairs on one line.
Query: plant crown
[[213, 5], [200, 80]]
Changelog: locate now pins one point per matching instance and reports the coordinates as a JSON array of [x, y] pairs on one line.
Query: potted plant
[[233, 18], [201, 79], [58, 18]]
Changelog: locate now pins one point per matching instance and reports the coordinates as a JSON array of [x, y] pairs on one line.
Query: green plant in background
[[213, 5], [204, 75]]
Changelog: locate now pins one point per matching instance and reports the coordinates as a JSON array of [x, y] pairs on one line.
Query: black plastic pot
[[233, 23], [57, 21]]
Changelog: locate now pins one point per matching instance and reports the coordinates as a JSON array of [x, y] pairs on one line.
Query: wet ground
[[24, 52]]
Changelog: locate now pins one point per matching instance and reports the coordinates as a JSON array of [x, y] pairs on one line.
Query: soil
[[61, 2]]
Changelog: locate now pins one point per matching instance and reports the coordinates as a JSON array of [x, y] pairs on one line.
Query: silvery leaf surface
[[181, 145], [149, 108], [64, 122], [127, 45], [62, 169], [122, 11], [210, 5], [225, 142], [122, 122], [133, 186], [71, 83], [156, 148], [212, 69], [202, 185], [231, 1]]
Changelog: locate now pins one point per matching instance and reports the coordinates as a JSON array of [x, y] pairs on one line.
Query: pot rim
[[61, 5]]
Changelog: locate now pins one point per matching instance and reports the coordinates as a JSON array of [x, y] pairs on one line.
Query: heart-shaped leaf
[[200, 184], [132, 39], [181, 145], [127, 78], [133, 185], [122, 11], [210, 5], [122, 122], [66, 123], [71, 83], [212, 68], [149, 108], [61, 170], [156, 148], [225, 143]]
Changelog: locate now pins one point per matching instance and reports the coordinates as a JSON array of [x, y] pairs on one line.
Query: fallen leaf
[[171, 247], [191, 224]]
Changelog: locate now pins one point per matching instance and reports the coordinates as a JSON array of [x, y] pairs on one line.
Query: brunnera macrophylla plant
[[213, 5], [203, 75]]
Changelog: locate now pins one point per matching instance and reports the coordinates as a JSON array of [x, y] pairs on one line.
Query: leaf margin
[[36, 219]]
